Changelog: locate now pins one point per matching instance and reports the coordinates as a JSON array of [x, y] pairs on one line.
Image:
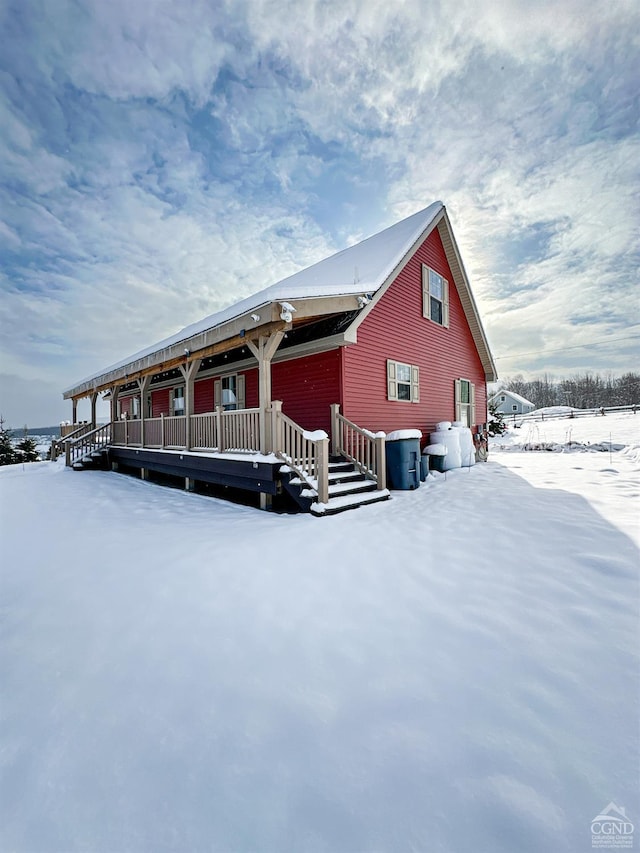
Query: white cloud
[[143, 190]]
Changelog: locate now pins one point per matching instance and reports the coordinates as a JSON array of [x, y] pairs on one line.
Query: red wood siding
[[307, 387], [395, 329], [126, 406], [203, 396], [251, 400], [160, 402]]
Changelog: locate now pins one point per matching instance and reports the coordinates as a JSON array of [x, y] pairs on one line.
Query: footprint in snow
[[609, 471]]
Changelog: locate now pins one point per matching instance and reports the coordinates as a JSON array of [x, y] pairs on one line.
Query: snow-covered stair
[[348, 489]]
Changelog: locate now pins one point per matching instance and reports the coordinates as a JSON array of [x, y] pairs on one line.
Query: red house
[[384, 335]]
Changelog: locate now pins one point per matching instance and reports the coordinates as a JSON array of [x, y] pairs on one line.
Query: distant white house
[[510, 403]]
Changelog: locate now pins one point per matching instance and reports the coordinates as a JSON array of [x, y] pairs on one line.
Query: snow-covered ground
[[453, 670]]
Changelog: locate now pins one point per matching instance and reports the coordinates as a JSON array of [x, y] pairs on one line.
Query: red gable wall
[[396, 329]]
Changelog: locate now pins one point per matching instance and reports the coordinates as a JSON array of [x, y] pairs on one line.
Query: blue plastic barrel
[[403, 463]]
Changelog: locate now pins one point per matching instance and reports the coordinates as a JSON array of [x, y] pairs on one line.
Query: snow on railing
[[305, 453], [366, 450]]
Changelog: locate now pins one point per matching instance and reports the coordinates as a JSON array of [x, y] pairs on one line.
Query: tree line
[[582, 391], [11, 453]]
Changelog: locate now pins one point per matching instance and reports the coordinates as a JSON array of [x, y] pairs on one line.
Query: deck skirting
[[255, 474]]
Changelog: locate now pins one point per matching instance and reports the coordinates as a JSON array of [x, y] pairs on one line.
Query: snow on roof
[[362, 268], [513, 396]]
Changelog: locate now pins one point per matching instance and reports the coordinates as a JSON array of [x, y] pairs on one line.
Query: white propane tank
[[467, 450], [451, 440]]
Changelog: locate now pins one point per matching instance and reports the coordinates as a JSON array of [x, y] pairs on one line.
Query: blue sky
[[162, 160]]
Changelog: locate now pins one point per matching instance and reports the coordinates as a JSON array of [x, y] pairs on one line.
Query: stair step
[[342, 503], [353, 488], [344, 476], [341, 466]]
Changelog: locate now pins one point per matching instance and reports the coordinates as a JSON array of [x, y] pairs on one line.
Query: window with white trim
[[465, 401], [178, 401], [435, 296], [514, 407], [403, 381], [229, 392]]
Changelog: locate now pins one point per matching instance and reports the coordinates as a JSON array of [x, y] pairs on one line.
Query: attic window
[[435, 296]]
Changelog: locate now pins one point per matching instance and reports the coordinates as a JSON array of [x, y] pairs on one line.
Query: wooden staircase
[[94, 460], [348, 489]]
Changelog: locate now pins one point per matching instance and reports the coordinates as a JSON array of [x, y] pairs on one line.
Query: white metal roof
[[362, 268]]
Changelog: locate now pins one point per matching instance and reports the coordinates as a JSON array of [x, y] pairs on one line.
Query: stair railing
[[364, 449], [78, 448], [57, 444], [305, 453]]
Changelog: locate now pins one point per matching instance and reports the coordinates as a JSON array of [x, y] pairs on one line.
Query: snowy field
[[453, 670]]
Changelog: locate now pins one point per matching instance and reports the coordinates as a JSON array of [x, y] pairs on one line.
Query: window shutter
[[445, 302], [457, 398], [415, 385], [472, 404], [217, 393], [240, 396], [392, 385], [425, 291]]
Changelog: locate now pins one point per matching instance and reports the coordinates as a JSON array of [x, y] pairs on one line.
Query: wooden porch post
[[264, 351], [74, 416], [335, 429], [143, 385], [188, 372], [115, 390], [94, 400]]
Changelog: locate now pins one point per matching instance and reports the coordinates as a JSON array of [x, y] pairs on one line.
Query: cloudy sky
[[160, 160]]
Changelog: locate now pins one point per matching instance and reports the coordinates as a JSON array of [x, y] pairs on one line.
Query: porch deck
[[224, 448]]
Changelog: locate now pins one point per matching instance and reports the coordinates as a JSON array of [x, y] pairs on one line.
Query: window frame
[[393, 382], [464, 411], [219, 382], [178, 393], [427, 295]]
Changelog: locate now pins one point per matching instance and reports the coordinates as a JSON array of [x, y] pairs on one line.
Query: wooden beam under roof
[[219, 339]]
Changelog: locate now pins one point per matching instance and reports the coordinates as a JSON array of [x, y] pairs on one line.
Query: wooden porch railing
[[307, 454], [219, 430], [77, 448], [361, 447]]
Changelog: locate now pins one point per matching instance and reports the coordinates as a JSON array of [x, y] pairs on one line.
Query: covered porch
[[251, 436]]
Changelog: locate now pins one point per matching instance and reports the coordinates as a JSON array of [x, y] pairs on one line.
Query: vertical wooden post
[[126, 431], [115, 390], [74, 416], [381, 461], [335, 429], [162, 429], [220, 427], [94, 400], [264, 351], [323, 471], [276, 427], [188, 371], [143, 384]]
